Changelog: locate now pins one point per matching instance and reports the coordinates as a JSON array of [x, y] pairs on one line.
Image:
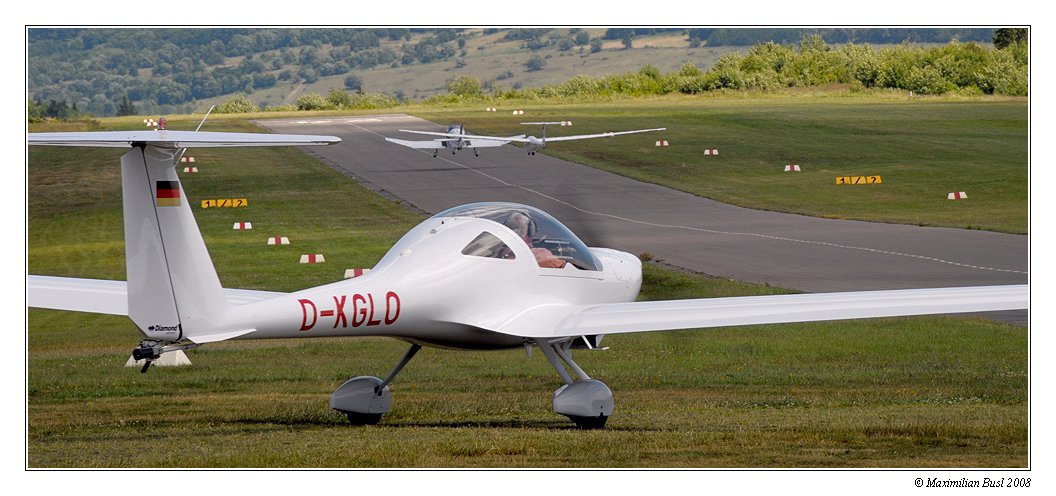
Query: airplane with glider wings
[[482, 276], [531, 143], [456, 139]]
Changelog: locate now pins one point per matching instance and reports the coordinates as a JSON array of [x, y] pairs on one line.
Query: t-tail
[[174, 292]]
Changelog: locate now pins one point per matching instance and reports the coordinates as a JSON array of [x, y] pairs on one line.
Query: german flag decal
[[168, 193]]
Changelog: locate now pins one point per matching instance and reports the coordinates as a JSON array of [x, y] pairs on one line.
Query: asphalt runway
[[792, 251]]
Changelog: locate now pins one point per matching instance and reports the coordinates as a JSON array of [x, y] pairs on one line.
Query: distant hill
[[106, 71]]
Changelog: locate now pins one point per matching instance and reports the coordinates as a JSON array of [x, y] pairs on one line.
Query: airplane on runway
[[483, 276], [531, 143], [455, 138]]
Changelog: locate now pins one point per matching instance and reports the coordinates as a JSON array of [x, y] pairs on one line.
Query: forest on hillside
[[115, 71]]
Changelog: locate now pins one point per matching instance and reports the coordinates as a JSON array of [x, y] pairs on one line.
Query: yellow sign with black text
[[858, 180], [225, 202]]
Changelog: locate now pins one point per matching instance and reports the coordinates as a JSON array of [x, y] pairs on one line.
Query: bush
[[580, 85], [689, 70], [238, 104], [1003, 75], [928, 80], [373, 100], [339, 99], [464, 86], [312, 101]]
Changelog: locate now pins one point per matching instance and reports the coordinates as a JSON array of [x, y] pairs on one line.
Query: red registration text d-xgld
[[357, 310]]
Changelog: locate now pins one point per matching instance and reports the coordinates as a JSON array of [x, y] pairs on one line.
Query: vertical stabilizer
[[173, 289]]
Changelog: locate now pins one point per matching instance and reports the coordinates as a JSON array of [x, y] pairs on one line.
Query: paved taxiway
[[792, 251]]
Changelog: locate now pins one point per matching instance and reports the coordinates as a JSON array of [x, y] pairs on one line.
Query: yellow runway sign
[[858, 180], [225, 202]]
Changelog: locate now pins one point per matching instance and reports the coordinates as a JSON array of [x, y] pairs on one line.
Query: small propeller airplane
[[531, 143], [456, 139], [523, 280]]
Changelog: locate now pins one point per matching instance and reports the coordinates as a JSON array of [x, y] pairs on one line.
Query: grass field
[[912, 392]]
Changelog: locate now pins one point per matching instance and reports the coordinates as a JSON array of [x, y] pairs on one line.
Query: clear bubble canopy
[[537, 228]]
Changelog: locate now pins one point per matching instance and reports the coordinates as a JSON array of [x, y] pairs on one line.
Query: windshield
[[553, 244]]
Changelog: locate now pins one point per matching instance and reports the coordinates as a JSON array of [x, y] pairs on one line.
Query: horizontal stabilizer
[[103, 296], [78, 295], [175, 139], [432, 144]]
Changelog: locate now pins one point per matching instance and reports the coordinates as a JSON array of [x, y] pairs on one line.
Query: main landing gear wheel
[[366, 418], [586, 402], [365, 399], [589, 423]]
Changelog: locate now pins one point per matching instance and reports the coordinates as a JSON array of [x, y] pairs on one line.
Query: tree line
[[966, 68]]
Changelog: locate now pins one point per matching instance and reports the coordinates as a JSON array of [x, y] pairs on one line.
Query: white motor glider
[[481, 276], [531, 143], [455, 138]]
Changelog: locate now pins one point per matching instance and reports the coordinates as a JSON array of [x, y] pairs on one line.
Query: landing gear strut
[[365, 399], [586, 402]]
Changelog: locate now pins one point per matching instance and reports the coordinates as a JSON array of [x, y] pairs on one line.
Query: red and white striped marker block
[[187, 159], [150, 122], [518, 112], [318, 258], [661, 143], [711, 152], [957, 196], [491, 109], [279, 240], [243, 225], [190, 169], [350, 273], [791, 168]]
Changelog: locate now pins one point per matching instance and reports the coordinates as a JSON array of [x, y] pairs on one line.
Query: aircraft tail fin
[[174, 292], [173, 289]]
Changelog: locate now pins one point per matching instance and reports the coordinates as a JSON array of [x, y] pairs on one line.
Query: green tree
[[535, 63], [1006, 36], [126, 107], [353, 82]]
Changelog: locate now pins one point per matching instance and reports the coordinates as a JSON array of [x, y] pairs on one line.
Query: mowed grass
[[922, 149], [913, 392]]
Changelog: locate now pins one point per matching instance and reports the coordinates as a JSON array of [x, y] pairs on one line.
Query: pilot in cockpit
[[523, 225]]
